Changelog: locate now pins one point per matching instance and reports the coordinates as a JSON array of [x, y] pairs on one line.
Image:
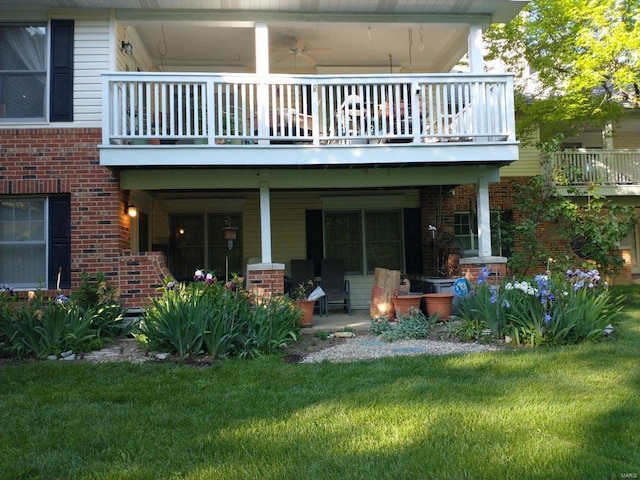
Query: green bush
[[48, 326], [410, 326], [45, 327], [211, 318], [569, 308]]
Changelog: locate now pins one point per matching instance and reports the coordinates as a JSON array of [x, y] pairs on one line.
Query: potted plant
[[404, 303], [439, 303], [301, 296]]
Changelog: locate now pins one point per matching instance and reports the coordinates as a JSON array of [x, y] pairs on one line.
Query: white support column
[[607, 136], [476, 57], [484, 218], [262, 68], [265, 222], [262, 48]]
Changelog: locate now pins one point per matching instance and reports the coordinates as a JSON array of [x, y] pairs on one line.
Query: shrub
[[98, 295], [569, 308], [410, 326], [45, 326], [206, 316]]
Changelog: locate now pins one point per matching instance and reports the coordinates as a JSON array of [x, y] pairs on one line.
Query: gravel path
[[369, 348], [361, 347]]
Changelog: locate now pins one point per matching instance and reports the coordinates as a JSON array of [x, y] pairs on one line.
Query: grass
[[552, 413]]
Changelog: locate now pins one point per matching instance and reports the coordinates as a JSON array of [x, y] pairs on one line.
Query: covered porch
[[282, 215]]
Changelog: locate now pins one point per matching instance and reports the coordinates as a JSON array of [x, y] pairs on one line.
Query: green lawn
[[558, 413]]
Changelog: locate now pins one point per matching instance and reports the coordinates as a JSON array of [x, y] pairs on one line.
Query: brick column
[[470, 268], [265, 279]]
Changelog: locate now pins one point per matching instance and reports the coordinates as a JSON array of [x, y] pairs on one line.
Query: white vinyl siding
[[627, 140], [528, 165], [91, 59]]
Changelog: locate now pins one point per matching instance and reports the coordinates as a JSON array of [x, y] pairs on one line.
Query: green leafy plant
[[410, 326], [176, 321], [221, 320], [570, 308], [468, 329], [273, 323], [97, 294], [94, 291], [303, 290], [590, 226], [379, 325], [48, 326]]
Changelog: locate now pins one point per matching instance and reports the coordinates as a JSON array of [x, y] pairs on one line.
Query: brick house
[[316, 130]]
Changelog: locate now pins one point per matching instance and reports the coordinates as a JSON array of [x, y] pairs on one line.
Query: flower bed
[[217, 319], [549, 309], [43, 327]]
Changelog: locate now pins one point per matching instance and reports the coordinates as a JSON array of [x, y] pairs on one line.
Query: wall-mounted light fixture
[[230, 234], [126, 48], [132, 211]]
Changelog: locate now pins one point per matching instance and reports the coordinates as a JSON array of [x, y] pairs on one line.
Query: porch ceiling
[[498, 10], [356, 178], [306, 36]]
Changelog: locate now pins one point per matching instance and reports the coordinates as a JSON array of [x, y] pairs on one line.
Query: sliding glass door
[[197, 242]]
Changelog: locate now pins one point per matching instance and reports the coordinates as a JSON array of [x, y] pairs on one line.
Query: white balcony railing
[[249, 110], [602, 167]]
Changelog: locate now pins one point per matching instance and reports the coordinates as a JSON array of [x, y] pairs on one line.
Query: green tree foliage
[[577, 64], [585, 223], [584, 56]]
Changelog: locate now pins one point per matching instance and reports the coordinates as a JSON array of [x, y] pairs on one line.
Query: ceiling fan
[[300, 50]]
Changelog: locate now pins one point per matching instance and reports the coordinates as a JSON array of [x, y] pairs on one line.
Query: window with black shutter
[[61, 88]]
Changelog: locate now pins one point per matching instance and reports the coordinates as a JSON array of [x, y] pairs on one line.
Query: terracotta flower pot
[[403, 303], [440, 303], [307, 307]]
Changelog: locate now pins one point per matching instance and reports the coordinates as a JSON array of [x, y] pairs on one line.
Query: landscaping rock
[[344, 334]]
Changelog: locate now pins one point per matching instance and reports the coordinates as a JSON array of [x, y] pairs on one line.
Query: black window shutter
[[413, 240], [315, 245], [59, 241], [61, 89], [143, 232]]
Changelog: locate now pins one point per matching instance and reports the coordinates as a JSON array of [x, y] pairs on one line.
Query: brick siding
[[66, 161]]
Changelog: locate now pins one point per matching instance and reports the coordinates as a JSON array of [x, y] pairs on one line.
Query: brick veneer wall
[[439, 203], [141, 277], [66, 161]]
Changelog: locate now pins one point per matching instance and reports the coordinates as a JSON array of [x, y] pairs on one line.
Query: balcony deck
[[615, 172], [169, 119]]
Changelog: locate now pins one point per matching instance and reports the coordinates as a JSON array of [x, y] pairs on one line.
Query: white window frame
[[32, 72], [38, 282]]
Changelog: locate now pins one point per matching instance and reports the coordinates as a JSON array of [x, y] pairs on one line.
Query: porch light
[[132, 211], [230, 234], [126, 48]]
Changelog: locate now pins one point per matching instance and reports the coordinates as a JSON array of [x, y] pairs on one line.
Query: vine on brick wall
[[589, 228]]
